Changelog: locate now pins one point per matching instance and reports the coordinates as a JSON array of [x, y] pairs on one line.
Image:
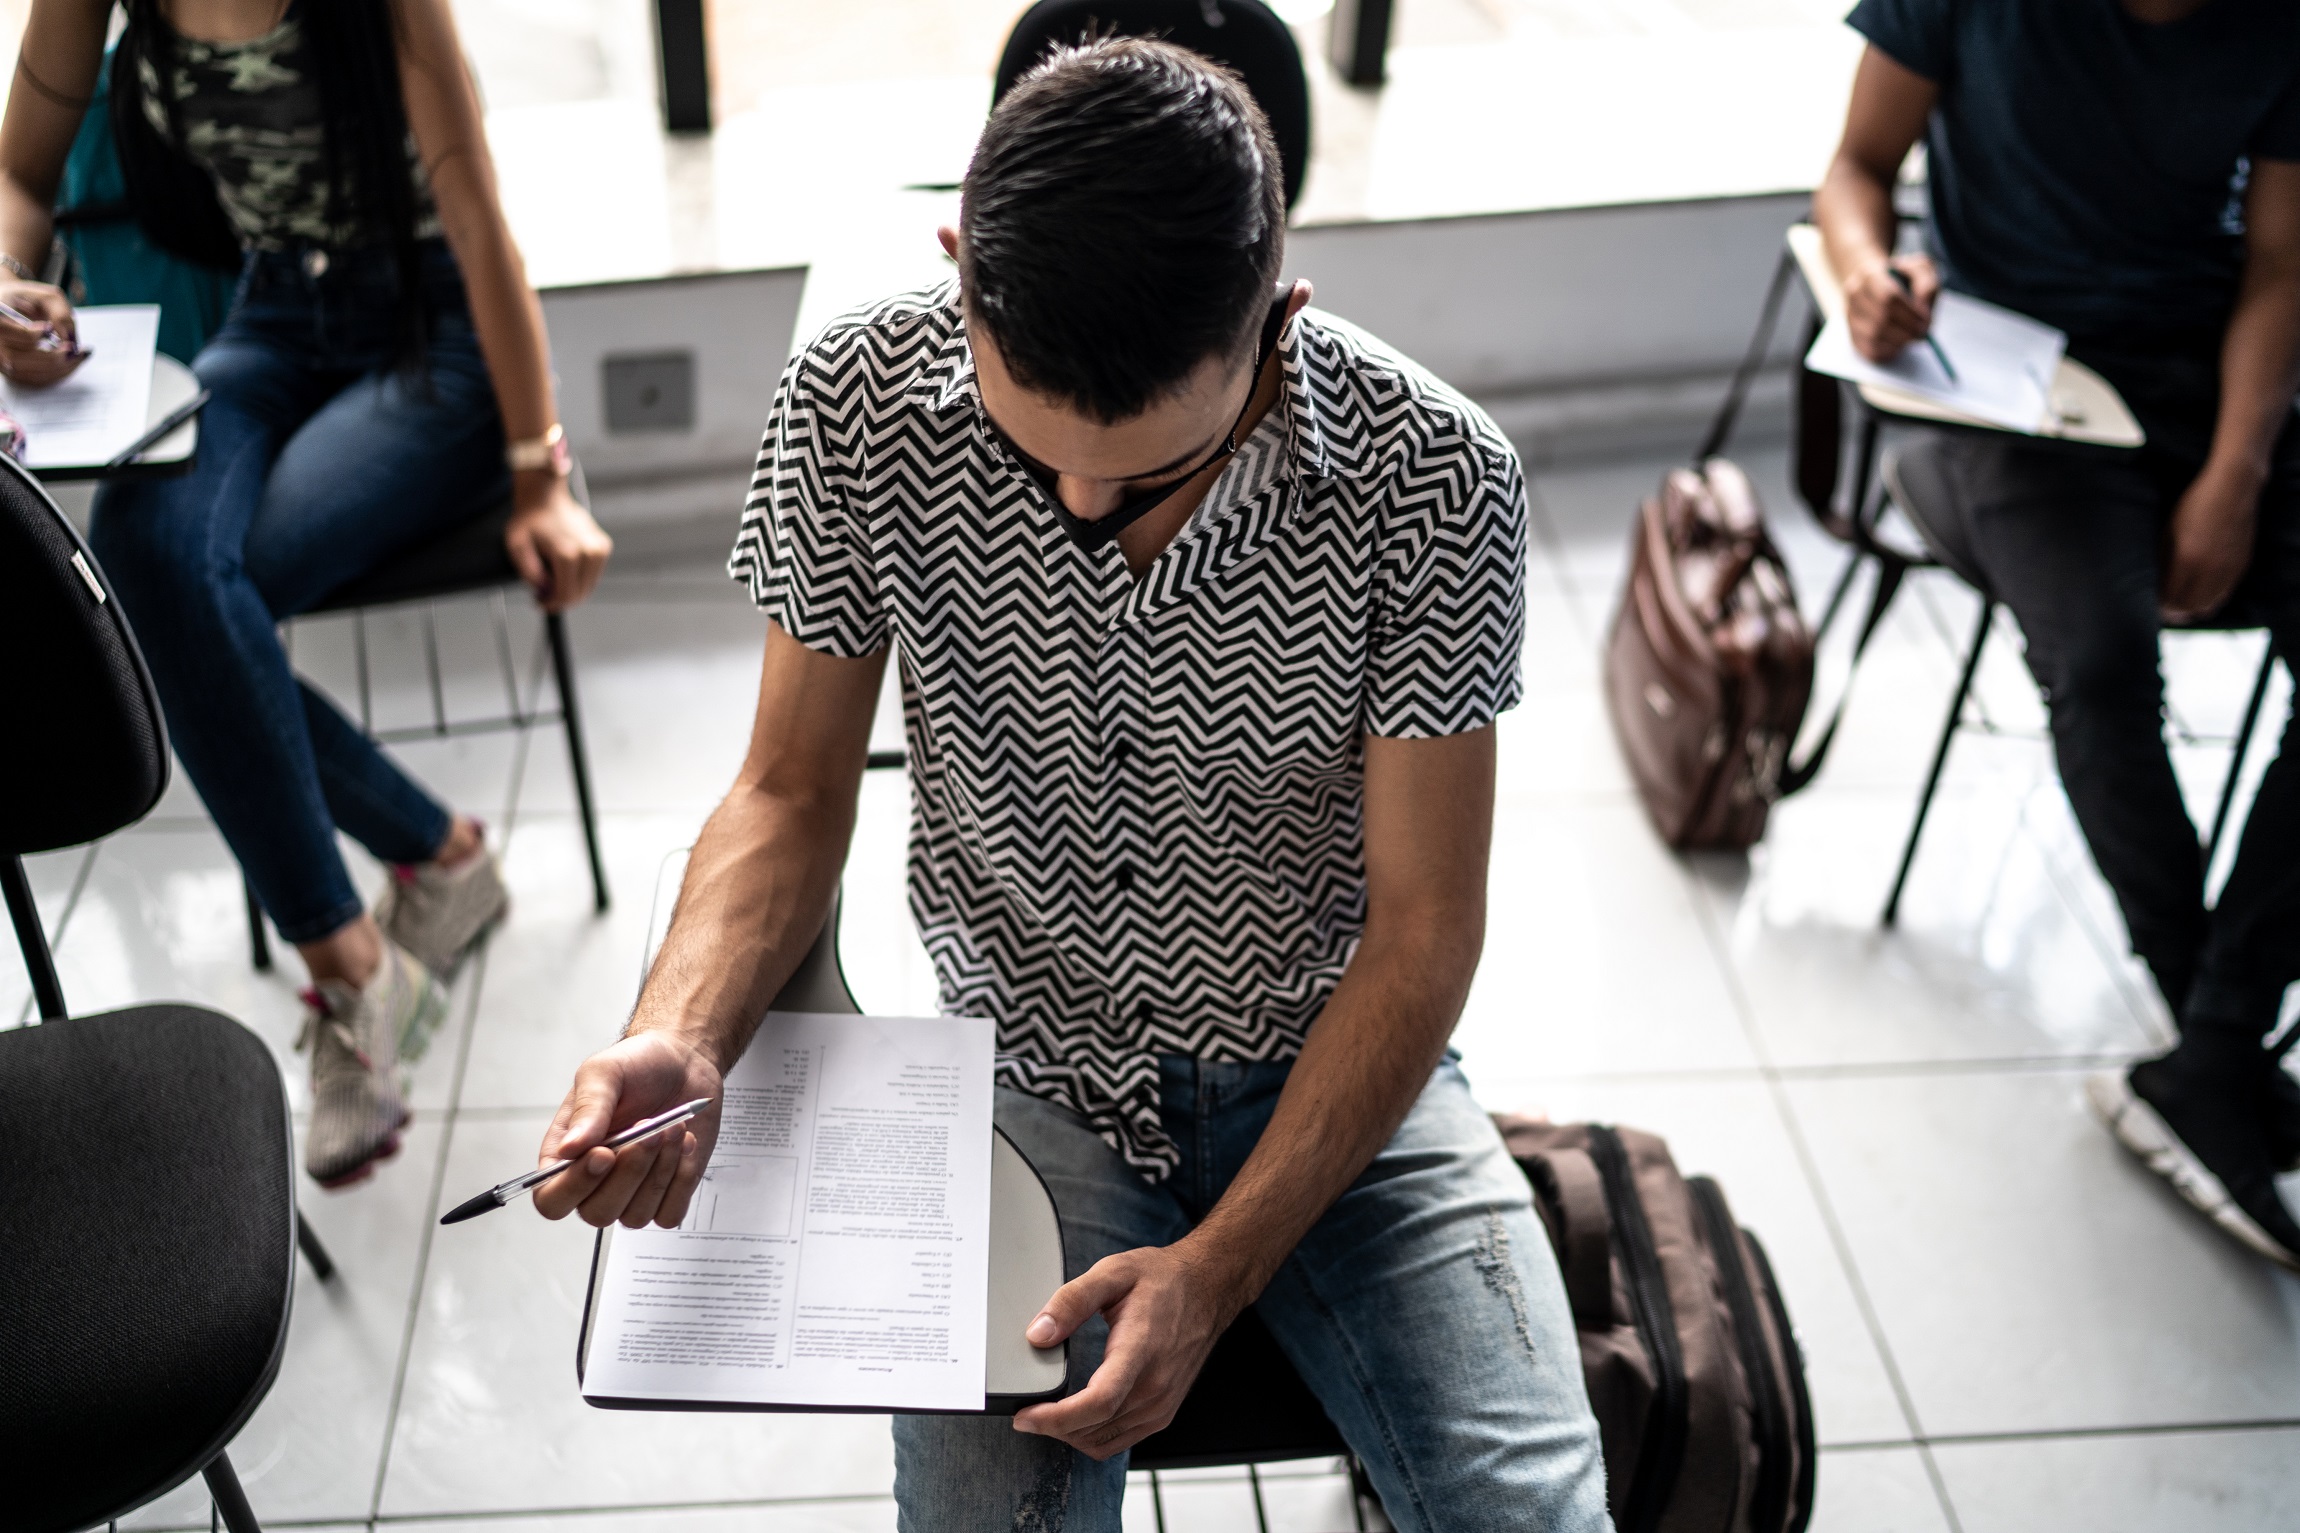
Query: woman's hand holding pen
[[1886, 313], [45, 351], [650, 1181]]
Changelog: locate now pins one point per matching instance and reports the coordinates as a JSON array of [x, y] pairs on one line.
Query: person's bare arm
[[2209, 544], [757, 891], [1428, 830], [55, 76], [558, 549], [1854, 208]]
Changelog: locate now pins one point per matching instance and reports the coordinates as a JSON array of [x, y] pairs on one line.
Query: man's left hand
[[557, 548], [1167, 1305], [2209, 542]]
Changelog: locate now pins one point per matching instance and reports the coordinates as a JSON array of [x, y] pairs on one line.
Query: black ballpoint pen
[[503, 1192], [1939, 355]]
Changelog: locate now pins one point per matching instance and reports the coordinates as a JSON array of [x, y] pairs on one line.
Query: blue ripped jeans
[[1425, 1311], [317, 462]]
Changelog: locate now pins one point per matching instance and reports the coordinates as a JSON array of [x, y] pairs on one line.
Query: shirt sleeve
[[1918, 35], [2278, 136], [1450, 632], [801, 552]]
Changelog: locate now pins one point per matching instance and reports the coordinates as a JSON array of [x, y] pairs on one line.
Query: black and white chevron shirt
[[1135, 805]]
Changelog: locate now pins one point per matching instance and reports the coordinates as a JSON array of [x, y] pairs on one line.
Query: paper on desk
[[104, 405], [2005, 362], [837, 1251]]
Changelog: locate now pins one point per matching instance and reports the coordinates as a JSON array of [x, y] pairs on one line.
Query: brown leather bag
[[1710, 664], [1693, 1371]]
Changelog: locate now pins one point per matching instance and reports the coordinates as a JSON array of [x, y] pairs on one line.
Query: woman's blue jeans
[[318, 461], [1425, 1311]]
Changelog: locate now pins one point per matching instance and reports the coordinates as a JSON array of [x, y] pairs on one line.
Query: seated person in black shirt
[[2127, 170]]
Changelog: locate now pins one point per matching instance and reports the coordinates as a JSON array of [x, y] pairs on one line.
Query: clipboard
[[1026, 1265], [1026, 1256], [2084, 407]]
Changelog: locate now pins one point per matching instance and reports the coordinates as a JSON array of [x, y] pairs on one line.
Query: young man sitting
[[1205, 606], [2128, 170]]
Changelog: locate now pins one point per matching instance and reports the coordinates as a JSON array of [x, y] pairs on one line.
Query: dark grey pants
[[2072, 542]]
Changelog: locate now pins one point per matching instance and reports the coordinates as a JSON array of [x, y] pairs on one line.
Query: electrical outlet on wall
[[649, 391]]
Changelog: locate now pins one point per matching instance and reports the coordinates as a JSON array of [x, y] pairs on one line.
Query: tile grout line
[[1824, 1205], [430, 1226]]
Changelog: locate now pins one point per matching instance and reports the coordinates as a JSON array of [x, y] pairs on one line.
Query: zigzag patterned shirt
[[1136, 804]]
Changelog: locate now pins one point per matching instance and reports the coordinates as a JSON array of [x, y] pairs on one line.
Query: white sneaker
[[438, 913], [357, 1039]]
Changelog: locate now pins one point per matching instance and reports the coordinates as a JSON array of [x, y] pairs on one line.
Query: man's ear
[[949, 238], [1296, 301]]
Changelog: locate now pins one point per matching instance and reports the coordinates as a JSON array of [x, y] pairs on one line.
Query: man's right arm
[[1854, 207], [757, 890]]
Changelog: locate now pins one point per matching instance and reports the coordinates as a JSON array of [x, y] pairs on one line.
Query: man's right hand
[[1885, 317], [652, 1180], [21, 358]]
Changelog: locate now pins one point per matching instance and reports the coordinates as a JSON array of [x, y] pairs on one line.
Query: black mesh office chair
[[465, 561], [148, 1227], [1245, 35]]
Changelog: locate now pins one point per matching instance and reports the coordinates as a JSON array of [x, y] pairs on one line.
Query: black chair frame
[[1854, 509]]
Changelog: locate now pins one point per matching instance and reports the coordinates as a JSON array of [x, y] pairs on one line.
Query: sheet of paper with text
[[837, 1251], [101, 408]]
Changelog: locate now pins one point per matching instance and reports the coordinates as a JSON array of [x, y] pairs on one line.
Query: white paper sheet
[[105, 404], [837, 1252], [2005, 362]]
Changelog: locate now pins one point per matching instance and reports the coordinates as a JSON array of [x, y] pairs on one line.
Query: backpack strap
[[1795, 775], [1760, 345], [1568, 1181]]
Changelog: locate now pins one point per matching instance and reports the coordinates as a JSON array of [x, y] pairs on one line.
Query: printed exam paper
[[837, 1250]]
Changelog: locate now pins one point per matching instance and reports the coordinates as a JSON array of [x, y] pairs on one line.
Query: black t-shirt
[[2087, 168]]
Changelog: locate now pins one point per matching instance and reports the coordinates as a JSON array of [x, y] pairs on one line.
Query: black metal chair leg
[[2243, 749], [1940, 759], [259, 941], [224, 1489], [578, 759], [322, 1264], [47, 990]]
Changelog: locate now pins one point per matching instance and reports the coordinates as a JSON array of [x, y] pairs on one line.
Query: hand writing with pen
[[38, 343]]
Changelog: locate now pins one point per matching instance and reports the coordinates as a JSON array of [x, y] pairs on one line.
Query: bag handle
[[1567, 1180], [1889, 572], [1760, 347]]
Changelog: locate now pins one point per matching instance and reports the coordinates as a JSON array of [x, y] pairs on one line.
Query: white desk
[[2085, 407], [1025, 1235], [172, 384]]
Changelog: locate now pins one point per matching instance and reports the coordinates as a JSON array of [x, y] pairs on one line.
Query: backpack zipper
[[1769, 1503], [1662, 1457]]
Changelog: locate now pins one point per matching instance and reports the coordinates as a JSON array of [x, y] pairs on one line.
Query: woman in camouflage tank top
[[382, 377]]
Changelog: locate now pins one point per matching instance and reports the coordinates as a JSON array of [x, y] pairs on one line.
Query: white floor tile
[[2029, 1275], [1989, 960], [310, 1451], [1595, 959], [2197, 1482], [1559, 742], [1730, 1130], [561, 979], [667, 691], [490, 1419], [162, 918], [1875, 1490]]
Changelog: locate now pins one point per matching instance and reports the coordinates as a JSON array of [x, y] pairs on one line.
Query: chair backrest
[[1244, 35], [87, 752]]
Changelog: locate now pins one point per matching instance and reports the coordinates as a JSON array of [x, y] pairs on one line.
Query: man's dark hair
[[1123, 220]]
